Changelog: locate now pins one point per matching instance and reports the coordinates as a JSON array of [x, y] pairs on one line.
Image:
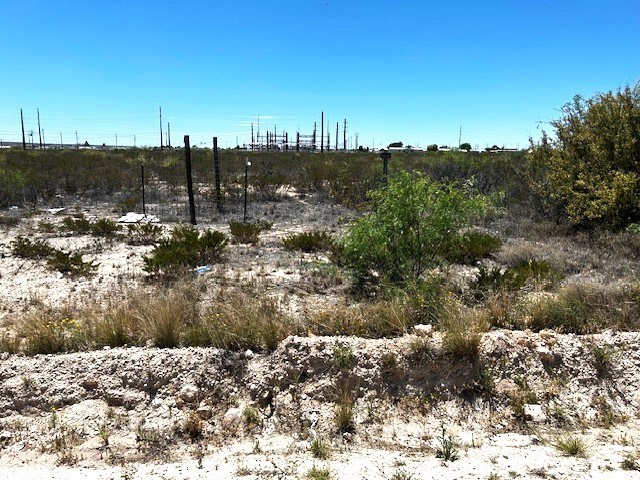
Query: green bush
[[591, 171], [70, 263], [144, 233], [314, 241], [186, 248], [104, 227], [248, 232], [470, 247], [77, 224], [36, 249], [412, 219]]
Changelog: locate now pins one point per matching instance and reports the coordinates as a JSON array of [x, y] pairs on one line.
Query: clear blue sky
[[411, 71]]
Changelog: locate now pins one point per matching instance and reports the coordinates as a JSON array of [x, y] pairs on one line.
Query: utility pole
[[116, 141], [356, 141], [337, 126], [460, 137], [134, 141], [161, 146], [61, 140], [252, 137], [322, 132], [24, 142], [31, 136], [77, 144], [344, 133], [39, 129], [168, 134]]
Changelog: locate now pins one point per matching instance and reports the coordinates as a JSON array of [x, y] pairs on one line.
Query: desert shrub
[[586, 309], [345, 405], [12, 185], [492, 280], [115, 325], [104, 227], [591, 171], [186, 248], [572, 446], [470, 247], [145, 233], [247, 232], [76, 224], [320, 448], [412, 219], [70, 263], [25, 248], [9, 221], [313, 241]]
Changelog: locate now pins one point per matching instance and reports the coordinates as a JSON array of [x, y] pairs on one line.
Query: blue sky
[[410, 71]]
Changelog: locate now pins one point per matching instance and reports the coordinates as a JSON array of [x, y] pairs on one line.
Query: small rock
[[546, 355], [90, 383], [204, 412], [249, 354], [534, 413], [232, 418], [507, 387], [188, 393], [470, 439], [423, 330]]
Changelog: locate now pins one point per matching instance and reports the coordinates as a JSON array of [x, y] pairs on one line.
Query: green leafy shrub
[[591, 171], [314, 241], [186, 248], [412, 219], [248, 232], [9, 221]]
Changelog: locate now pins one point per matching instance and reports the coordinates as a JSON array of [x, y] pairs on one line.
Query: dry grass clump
[[370, 320], [462, 333], [584, 309], [240, 321], [572, 446], [50, 330]]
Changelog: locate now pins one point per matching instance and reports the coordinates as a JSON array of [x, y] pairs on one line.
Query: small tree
[[396, 144], [465, 146], [413, 221], [432, 148], [593, 167]]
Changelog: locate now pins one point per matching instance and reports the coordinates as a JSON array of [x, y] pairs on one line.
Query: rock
[[188, 393], [90, 383], [507, 387], [204, 412], [232, 418], [534, 413], [423, 330], [249, 354], [547, 356]]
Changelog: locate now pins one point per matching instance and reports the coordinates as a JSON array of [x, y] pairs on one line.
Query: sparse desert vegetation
[[430, 315]]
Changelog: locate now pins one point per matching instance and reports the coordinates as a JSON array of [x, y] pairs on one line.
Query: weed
[[470, 247], [104, 433], [570, 445], [317, 473], [400, 474], [344, 412], [630, 461], [421, 351], [252, 417], [9, 221], [342, 356], [462, 336], [28, 383], [493, 476], [46, 227], [320, 448], [313, 241], [446, 449], [192, 426]]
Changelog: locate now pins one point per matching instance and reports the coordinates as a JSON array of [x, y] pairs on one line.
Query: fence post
[[187, 157], [216, 165], [246, 181], [144, 206]]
